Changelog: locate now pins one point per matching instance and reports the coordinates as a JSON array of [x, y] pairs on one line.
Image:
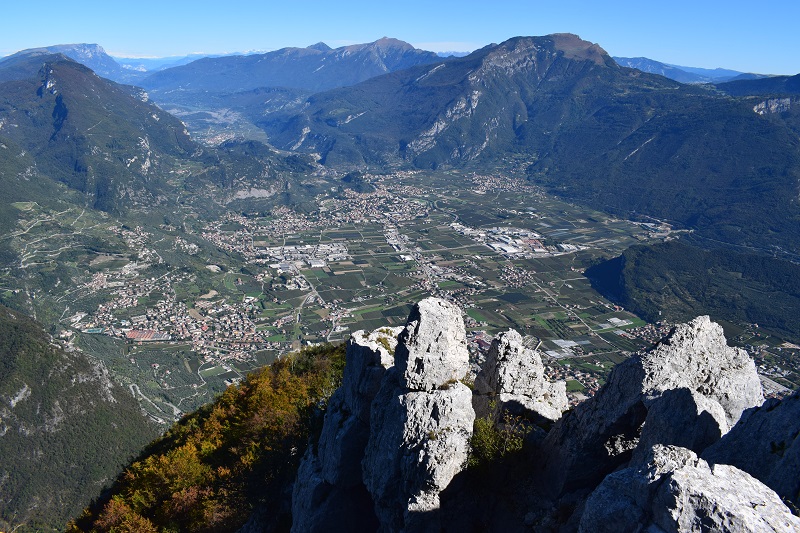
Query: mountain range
[[581, 125], [684, 74], [92, 56], [721, 160], [134, 70], [315, 68]]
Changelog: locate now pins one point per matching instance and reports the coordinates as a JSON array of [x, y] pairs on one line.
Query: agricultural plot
[[235, 293]]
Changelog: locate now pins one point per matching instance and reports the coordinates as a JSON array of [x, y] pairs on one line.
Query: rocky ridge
[[397, 436], [398, 430], [688, 390], [676, 491]]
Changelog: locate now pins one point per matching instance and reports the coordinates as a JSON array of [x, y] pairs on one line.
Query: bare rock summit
[[432, 349], [640, 401], [421, 420], [513, 376], [675, 491]]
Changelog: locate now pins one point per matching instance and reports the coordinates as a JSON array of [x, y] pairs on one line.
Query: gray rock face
[[600, 434], [393, 436], [432, 349], [421, 420], [696, 356], [421, 444], [766, 444], [681, 417], [329, 492], [677, 492], [514, 375]]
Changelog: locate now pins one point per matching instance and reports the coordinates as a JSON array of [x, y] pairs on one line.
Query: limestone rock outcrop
[[432, 349], [601, 434], [421, 420], [329, 492], [395, 433], [396, 439], [766, 444], [513, 376], [675, 491]]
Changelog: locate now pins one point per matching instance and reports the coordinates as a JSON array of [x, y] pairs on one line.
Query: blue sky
[[744, 36]]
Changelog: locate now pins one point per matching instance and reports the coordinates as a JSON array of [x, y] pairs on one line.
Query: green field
[[543, 295]]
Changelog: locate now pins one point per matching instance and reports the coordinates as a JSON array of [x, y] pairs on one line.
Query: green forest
[[677, 281], [67, 429]]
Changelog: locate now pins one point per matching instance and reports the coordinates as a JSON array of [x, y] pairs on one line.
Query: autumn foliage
[[237, 456]]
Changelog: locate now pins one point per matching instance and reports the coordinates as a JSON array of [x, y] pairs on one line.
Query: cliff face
[[396, 432], [396, 439], [329, 491], [688, 390]]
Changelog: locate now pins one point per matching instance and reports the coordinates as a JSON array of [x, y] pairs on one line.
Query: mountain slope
[[674, 281], [91, 134], [774, 85], [235, 456], [615, 138], [454, 111], [65, 428], [314, 68], [109, 143]]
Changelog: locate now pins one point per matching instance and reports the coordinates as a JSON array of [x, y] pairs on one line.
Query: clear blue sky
[[747, 36]]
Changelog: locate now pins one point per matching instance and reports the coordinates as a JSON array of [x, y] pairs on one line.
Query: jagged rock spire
[[513, 376], [602, 433], [421, 420]]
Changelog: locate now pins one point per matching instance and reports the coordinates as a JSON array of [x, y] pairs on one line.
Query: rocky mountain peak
[[576, 48], [407, 426], [536, 53], [676, 491], [397, 435], [82, 50], [385, 43], [688, 390], [432, 349], [320, 46], [696, 355]]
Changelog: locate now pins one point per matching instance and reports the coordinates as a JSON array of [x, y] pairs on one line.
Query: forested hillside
[[675, 281], [224, 463], [65, 428]]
